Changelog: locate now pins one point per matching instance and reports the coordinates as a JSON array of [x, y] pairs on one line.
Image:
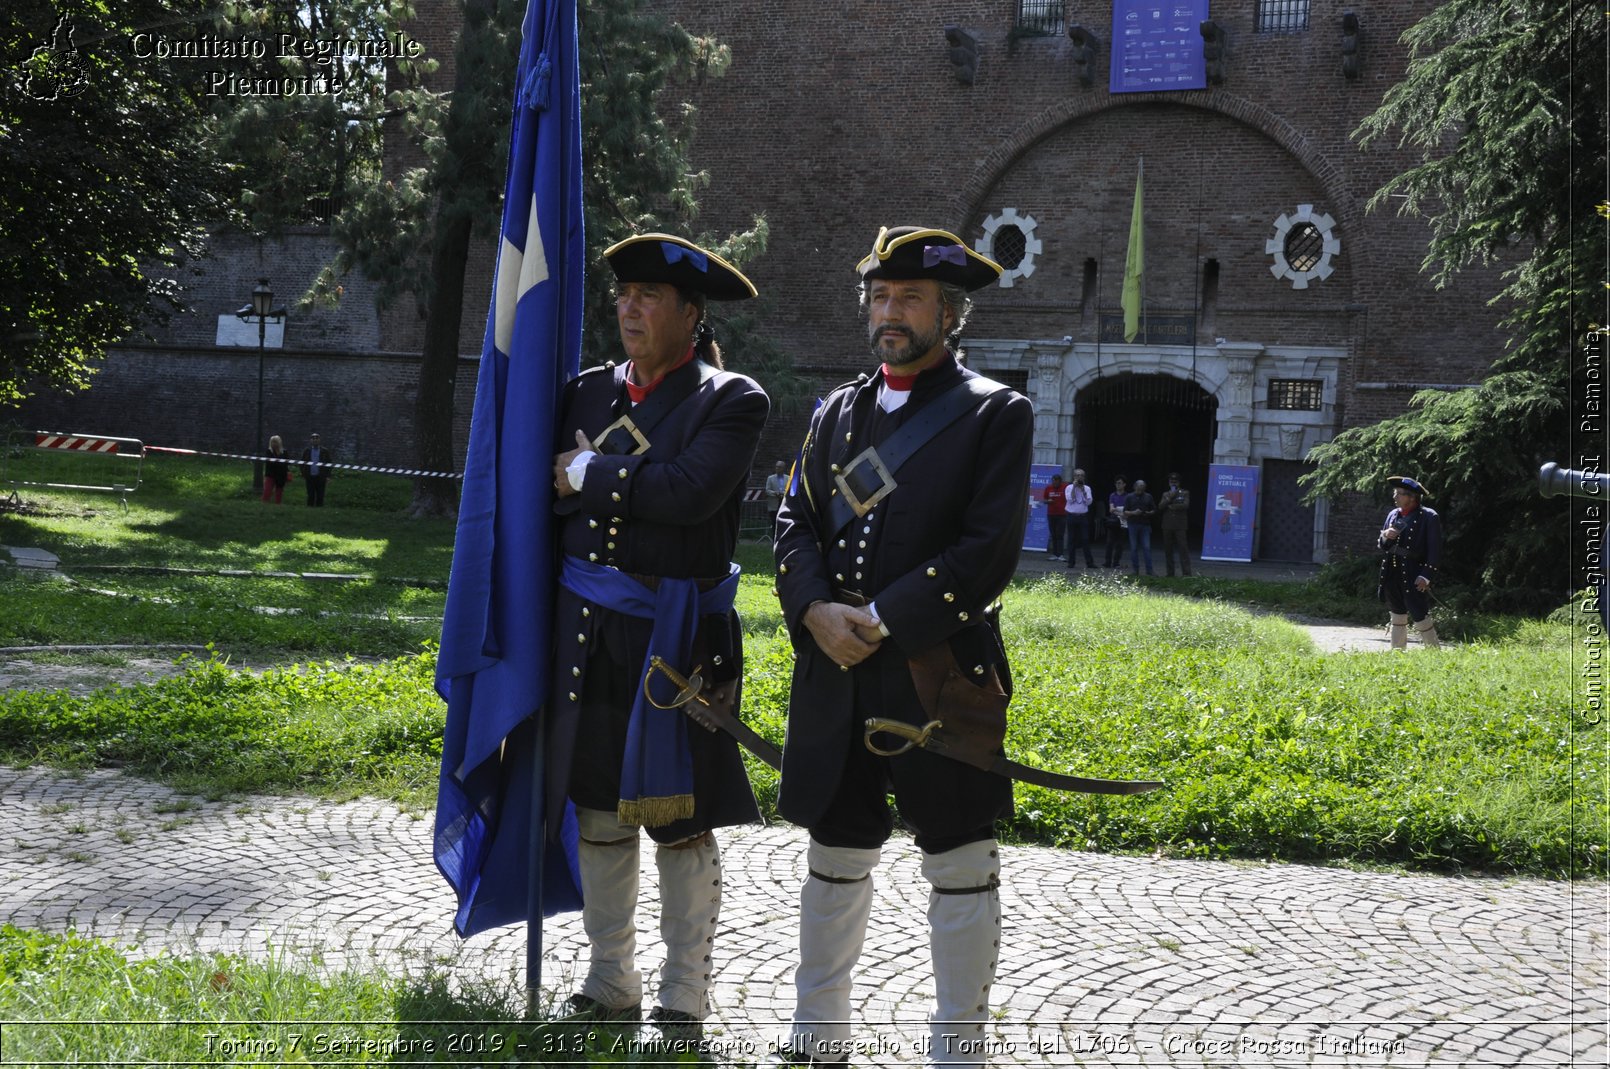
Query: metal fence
[[56, 461]]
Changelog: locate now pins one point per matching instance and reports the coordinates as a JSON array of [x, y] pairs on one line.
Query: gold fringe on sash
[[653, 812]]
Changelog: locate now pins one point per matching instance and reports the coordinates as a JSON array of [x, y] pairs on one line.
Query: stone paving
[[1105, 960]]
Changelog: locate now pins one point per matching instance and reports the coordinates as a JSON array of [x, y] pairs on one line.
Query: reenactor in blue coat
[[650, 468], [892, 550], [1411, 546]]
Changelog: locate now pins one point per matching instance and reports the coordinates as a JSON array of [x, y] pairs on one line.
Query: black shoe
[[678, 1027], [590, 1009]]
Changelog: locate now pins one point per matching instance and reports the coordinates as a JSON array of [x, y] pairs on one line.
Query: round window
[[1303, 246], [1009, 240]]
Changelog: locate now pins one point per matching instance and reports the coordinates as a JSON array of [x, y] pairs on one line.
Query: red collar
[[639, 394], [898, 382]]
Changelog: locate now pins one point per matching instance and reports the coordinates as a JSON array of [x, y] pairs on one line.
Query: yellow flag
[[1134, 262]]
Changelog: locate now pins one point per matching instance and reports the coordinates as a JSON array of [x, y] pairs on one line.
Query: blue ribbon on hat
[[955, 254], [697, 260]]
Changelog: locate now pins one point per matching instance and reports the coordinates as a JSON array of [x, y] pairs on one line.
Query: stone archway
[[1143, 427], [1230, 382]]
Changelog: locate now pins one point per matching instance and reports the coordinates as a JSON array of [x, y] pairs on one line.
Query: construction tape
[[371, 468]]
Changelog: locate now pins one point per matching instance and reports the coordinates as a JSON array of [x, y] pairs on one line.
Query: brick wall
[[876, 129], [834, 123], [361, 405], [176, 387]]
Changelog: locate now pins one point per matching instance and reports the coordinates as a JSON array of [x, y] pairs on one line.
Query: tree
[[101, 176], [302, 124], [414, 232], [1503, 101]]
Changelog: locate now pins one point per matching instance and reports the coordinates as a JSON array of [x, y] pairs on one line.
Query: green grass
[[200, 513], [71, 1000], [252, 618], [338, 730], [1464, 759]]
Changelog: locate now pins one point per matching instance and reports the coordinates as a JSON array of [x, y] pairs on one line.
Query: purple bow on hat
[[955, 254], [697, 260]]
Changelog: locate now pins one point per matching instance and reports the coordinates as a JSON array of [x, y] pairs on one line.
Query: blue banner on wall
[[1232, 510], [1037, 535], [1157, 45]]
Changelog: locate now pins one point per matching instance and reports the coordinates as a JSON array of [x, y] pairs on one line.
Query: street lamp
[[262, 307]]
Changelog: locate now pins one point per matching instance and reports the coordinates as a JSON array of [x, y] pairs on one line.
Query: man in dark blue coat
[[1411, 544], [650, 471], [892, 549]]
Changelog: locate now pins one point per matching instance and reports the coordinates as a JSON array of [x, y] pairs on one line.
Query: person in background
[[1055, 496], [276, 471], [1117, 526], [1175, 505], [1080, 500], [1139, 511], [1411, 545], [776, 487], [315, 470]]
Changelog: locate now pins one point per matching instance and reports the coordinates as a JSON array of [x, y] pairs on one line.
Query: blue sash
[[657, 770]]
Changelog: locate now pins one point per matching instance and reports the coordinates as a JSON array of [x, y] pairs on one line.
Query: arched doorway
[[1143, 427]]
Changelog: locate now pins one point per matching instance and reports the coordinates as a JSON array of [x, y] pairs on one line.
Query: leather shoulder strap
[[904, 443]]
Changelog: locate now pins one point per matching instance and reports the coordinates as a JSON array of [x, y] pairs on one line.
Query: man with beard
[[650, 469], [892, 549]]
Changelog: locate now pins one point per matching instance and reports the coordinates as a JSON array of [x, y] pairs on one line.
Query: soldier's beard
[[917, 345]]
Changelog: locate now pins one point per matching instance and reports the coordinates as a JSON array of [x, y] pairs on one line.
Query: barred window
[[1281, 16], [1301, 395], [1305, 247], [1040, 17], [1011, 245]]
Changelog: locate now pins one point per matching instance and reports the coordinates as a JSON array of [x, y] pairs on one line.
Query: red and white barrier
[[82, 443]]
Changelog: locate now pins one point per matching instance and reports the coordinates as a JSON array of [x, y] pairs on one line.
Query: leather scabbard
[[931, 737]]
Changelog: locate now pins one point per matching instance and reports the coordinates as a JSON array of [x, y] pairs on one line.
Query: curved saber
[[930, 738], [711, 715]]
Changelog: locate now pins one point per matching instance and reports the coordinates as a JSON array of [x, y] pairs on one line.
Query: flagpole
[[1101, 274], [1196, 270], [536, 872]]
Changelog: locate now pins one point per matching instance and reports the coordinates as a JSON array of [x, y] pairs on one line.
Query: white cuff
[[872, 610], [577, 471]]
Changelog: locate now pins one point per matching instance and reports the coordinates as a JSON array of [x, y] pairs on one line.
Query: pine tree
[[1504, 100]]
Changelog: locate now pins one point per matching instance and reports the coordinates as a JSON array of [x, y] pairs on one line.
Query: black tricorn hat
[[1404, 482], [677, 262], [904, 252]]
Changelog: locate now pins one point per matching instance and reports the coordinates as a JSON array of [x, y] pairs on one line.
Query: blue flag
[[493, 668]]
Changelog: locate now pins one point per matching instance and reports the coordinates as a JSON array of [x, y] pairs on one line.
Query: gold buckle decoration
[[623, 424], [865, 482]]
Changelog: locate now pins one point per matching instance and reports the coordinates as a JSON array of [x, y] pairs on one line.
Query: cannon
[[1555, 481]]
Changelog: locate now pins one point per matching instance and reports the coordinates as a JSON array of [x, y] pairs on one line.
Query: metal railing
[[56, 461]]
